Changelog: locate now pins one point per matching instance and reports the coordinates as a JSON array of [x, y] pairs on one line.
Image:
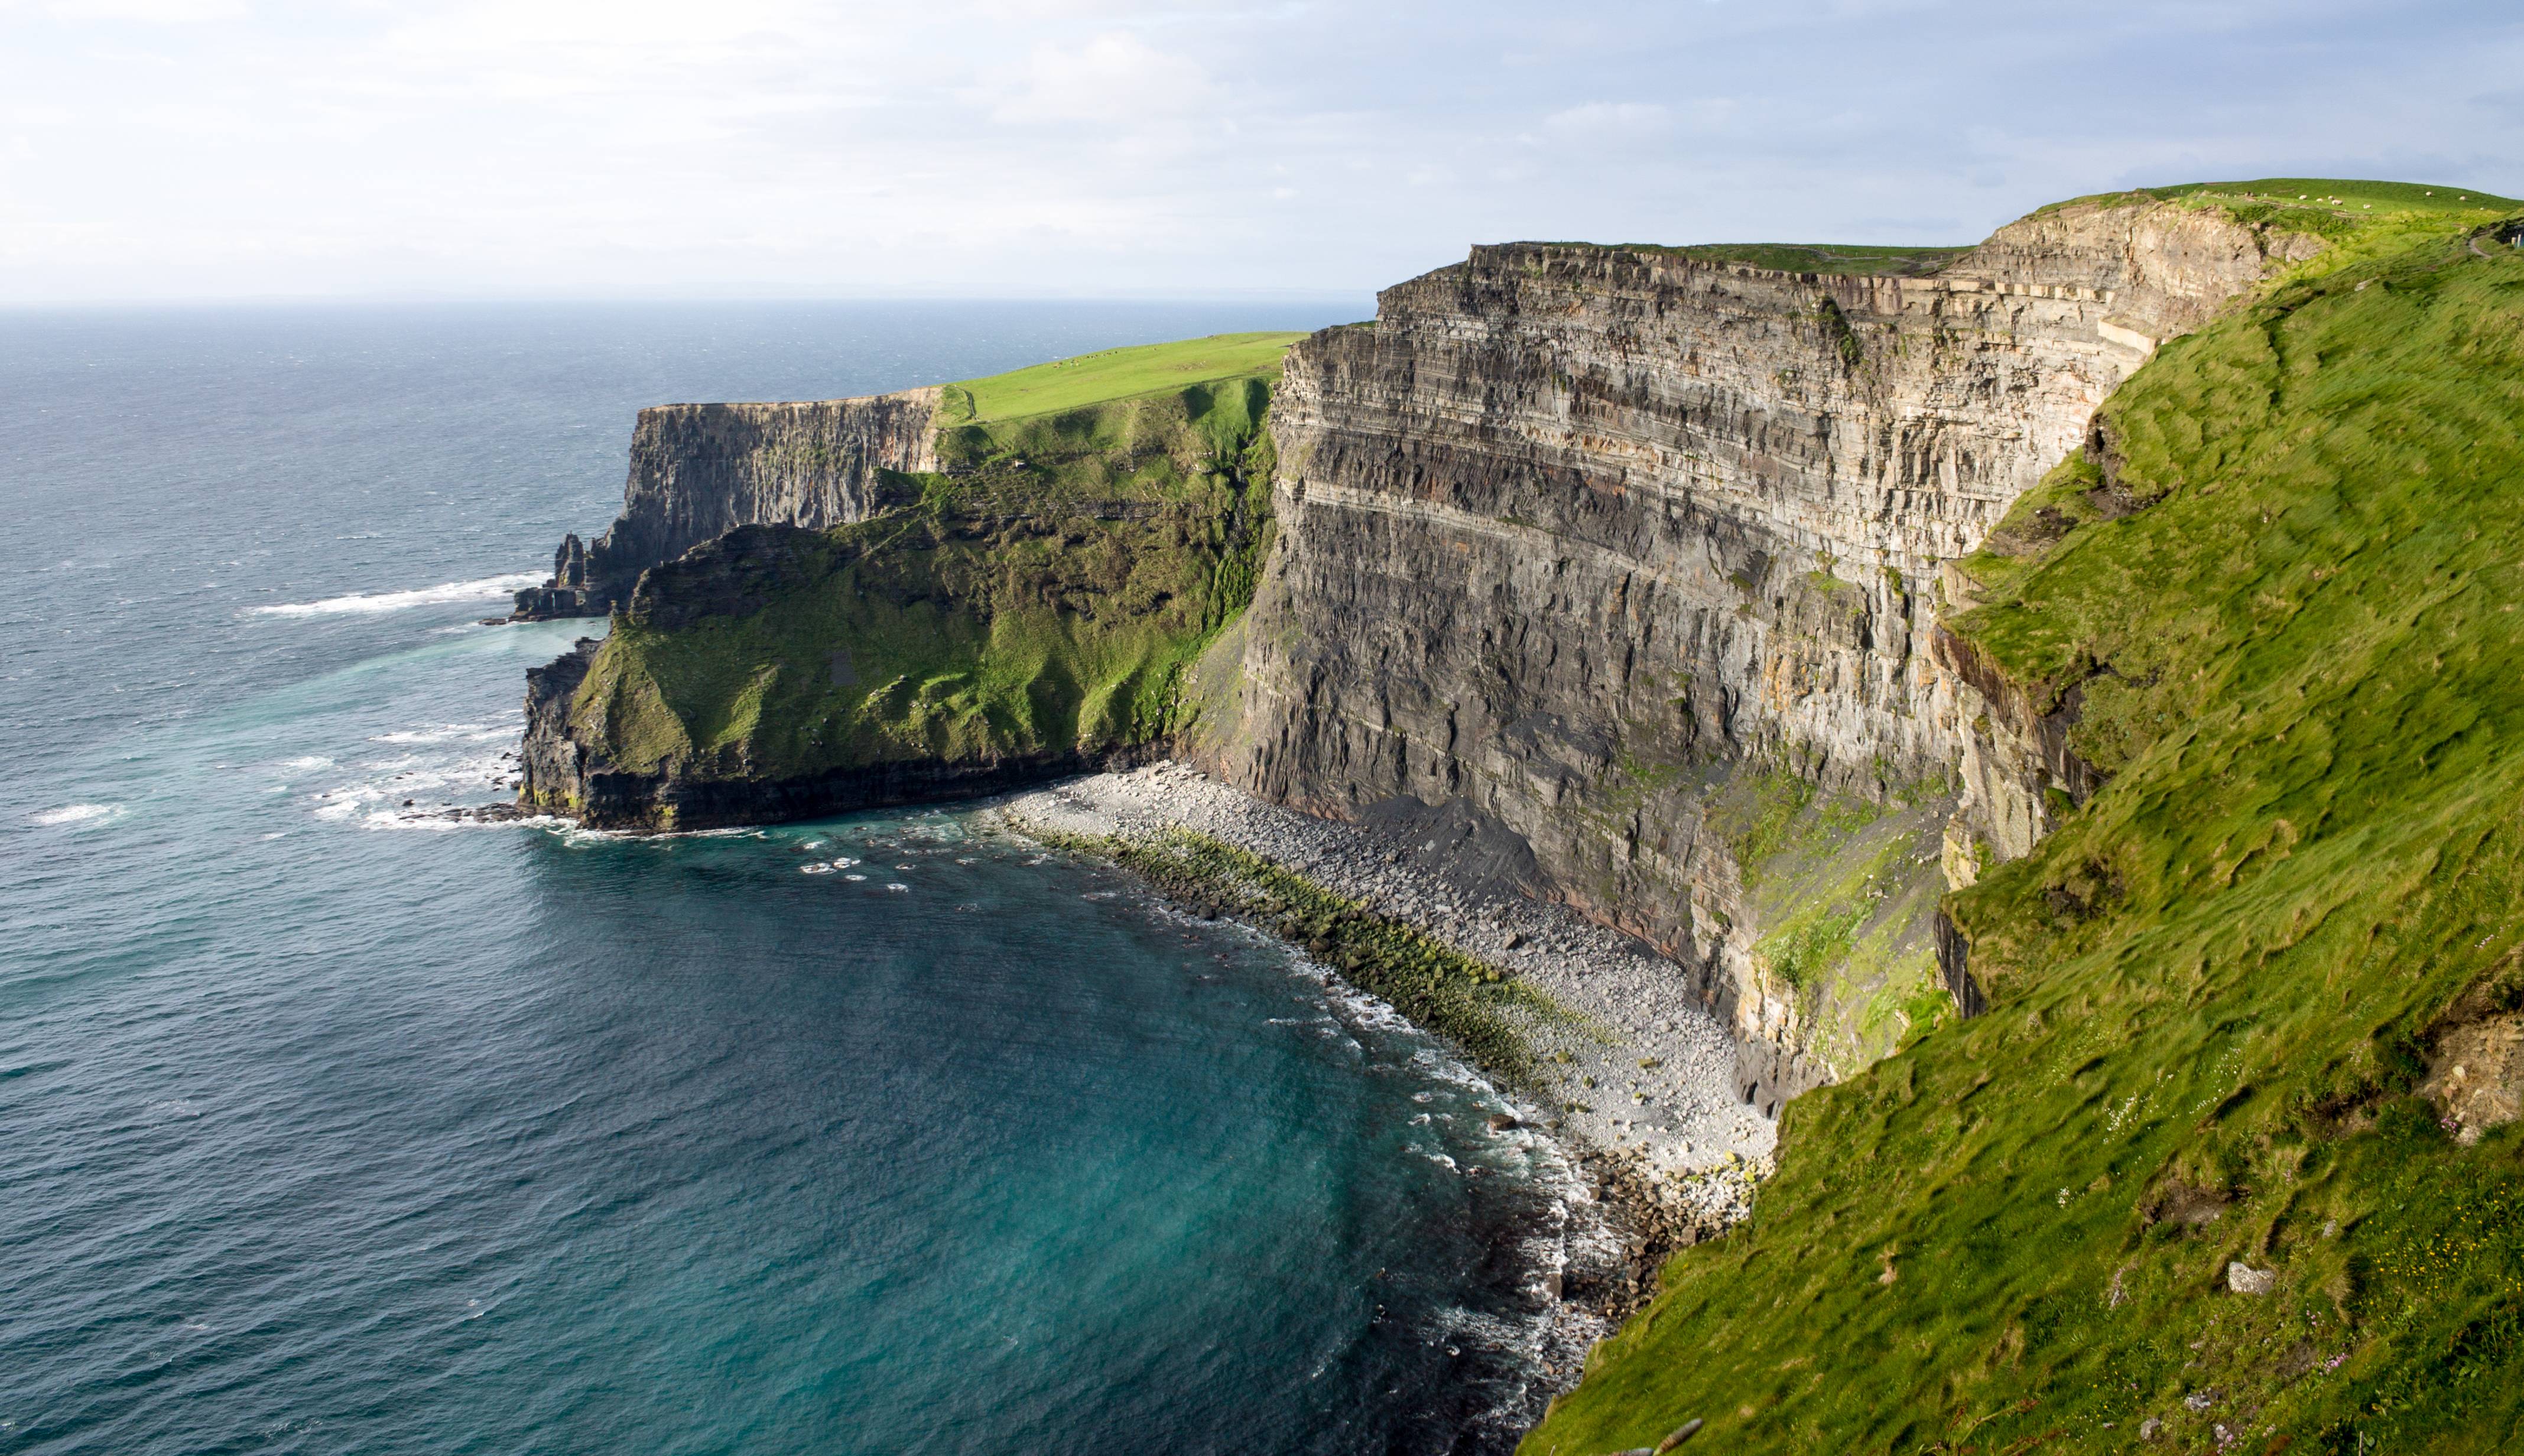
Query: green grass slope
[[1843, 888], [2329, 208], [2294, 596], [2346, 197], [2358, 219], [1116, 374], [1044, 592]]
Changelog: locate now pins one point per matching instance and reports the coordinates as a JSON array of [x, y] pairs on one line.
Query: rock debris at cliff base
[[1676, 1115]]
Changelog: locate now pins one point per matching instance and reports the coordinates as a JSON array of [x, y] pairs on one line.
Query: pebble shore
[[1642, 1088]]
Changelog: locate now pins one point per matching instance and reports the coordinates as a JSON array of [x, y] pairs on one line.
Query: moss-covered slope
[[2226, 993], [1841, 890], [1032, 607]]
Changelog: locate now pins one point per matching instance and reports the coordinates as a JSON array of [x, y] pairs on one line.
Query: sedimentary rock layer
[[1576, 545], [1568, 529], [699, 471]]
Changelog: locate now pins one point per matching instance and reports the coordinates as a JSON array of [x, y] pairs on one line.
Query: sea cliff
[[1582, 542], [2047, 698], [1624, 564], [2209, 1170], [699, 471], [1034, 602]]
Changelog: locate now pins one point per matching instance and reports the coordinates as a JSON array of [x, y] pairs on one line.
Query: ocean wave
[[77, 814], [448, 732], [487, 589], [414, 791], [578, 836]]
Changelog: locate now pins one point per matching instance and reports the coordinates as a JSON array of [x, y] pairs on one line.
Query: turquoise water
[[328, 1123]]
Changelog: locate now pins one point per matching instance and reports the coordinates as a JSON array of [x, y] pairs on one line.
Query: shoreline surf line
[[445, 594]]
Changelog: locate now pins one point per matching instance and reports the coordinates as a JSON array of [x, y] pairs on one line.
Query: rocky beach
[[1639, 1079]]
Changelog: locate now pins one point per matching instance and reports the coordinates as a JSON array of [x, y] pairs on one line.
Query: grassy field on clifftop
[[1043, 592], [1116, 374], [2292, 593]]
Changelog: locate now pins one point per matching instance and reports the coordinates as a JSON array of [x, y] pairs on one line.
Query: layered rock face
[[1582, 553], [1570, 532], [2166, 268], [699, 471]]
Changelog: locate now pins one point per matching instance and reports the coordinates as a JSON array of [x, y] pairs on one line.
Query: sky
[[486, 148]]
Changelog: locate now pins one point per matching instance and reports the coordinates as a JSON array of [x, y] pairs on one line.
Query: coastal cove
[[335, 1123], [1852, 648], [1912, 858]]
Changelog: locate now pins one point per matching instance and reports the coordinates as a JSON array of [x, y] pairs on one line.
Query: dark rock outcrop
[[566, 593], [699, 471], [611, 799], [1954, 968], [548, 759]]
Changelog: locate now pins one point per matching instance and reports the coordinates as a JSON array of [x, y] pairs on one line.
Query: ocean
[[331, 1123]]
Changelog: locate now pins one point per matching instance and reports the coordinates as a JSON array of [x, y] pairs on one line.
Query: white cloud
[[1639, 120], [1610, 119], [1115, 77], [148, 12], [996, 146]]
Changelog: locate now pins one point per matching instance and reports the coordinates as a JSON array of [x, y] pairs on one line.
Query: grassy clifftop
[[2229, 993], [1042, 594], [1115, 374]]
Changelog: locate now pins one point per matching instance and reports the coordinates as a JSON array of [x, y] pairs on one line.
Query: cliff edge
[[1034, 603], [2214, 1170], [699, 471]]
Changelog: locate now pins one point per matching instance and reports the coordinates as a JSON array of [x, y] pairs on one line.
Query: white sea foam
[[78, 814], [448, 732], [433, 783], [487, 589], [572, 834]]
